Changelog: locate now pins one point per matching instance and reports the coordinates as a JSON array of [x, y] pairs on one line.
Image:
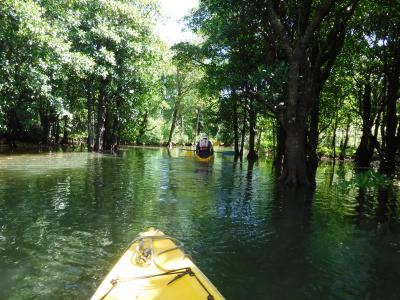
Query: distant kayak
[[155, 267], [203, 159]]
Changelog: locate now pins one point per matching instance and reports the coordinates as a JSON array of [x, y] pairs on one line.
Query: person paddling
[[204, 147]]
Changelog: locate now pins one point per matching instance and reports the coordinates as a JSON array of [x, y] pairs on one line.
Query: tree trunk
[[312, 143], [299, 103], [107, 136], [366, 148], [114, 134], [173, 122], [235, 121], [343, 145], [101, 116], [259, 139], [280, 148], [65, 135], [335, 125], [197, 128], [142, 130], [12, 127], [45, 123], [252, 155], [90, 117], [112, 126], [391, 140], [243, 131], [56, 132], [295, 167]]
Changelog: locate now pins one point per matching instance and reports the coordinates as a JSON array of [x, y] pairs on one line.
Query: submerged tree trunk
[[177, 104], [365, 149], [56, 131], [12, 127], [101, 116], [114, 134], [312, 142], [65, 131], [259, 139], [391, 141], [235, 121], [46, 123], [173, 122], [280, 149], [252, 155], [90, 117], [310, 54], [295, 167], [243, 130], [335, 125], [142, 130], [113, 124], [343, 144]]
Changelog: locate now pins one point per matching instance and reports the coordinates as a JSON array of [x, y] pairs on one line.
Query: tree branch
[[304, 14], [280, 31], [334, 43], [321, 12]]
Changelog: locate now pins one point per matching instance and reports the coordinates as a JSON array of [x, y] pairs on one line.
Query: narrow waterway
[[65, 218]]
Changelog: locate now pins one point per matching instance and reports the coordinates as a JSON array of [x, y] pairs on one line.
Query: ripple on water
[[60, 234]]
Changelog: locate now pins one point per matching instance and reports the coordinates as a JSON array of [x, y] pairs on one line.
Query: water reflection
[[64, 223]]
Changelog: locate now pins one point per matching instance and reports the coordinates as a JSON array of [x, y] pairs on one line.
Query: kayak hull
[[206, 159], [166, 273]]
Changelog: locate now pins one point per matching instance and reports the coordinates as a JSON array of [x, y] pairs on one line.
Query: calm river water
[[65, 218]]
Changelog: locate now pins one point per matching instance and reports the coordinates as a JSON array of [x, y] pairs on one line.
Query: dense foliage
[[91, 71], [300, 79], [325, 73]]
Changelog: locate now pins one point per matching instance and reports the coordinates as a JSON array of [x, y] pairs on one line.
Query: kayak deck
[[154, 267]]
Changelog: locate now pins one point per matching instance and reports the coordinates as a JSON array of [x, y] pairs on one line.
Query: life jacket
[[203, 145]]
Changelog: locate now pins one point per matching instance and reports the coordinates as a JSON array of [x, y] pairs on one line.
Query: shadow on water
[[382, 207]]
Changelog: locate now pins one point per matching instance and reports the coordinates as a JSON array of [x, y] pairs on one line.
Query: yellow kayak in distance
[[155, 267], [206, 159]]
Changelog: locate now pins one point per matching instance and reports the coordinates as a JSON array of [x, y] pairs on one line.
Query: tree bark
[[295, 167], [12, 127], [343, 145], [365, 149], [142, 130], [312, 142], [280, 149], [235, 121], [243, 129], [177, 104], [56, 131], [252, 155], [90, 117], [45, 124], [335, 125], [65, 132], [197, 128], [391, 140], [102, 115], [173, 122]]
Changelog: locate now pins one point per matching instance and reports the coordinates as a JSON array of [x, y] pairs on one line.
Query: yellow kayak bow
[[206, 159], [155, 267]]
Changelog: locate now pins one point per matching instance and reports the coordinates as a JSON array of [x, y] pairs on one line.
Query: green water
[[65, 218]]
